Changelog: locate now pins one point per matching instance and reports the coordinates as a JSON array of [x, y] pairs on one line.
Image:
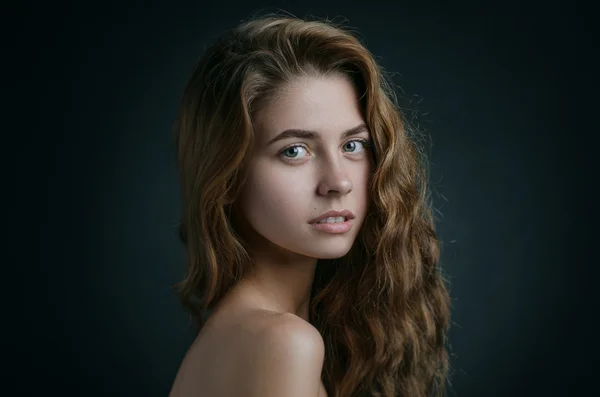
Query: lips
[[344, 213]]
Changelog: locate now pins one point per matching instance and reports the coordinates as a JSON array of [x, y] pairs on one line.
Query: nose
[[334, 180]]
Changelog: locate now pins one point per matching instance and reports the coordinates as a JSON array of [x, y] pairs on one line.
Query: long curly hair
[[383, 309]]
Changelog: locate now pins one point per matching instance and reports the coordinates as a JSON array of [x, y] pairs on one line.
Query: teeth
[[333, 219]]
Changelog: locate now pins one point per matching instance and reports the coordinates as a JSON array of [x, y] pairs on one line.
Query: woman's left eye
[[362, 144]]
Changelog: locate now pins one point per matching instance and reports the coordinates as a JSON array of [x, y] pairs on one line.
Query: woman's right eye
[[293, 152]]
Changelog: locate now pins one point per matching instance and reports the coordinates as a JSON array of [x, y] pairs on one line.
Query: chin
[[331, 255], [330, 252]]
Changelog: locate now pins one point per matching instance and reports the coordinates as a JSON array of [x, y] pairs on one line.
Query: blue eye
[[352, 144], [292, 151]]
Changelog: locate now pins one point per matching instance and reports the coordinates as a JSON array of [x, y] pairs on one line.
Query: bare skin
[[258, 341], [242, 351]]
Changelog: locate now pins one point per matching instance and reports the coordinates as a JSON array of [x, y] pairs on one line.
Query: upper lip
[[345, 213]]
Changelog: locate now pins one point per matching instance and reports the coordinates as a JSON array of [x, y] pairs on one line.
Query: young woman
[[309, 235]]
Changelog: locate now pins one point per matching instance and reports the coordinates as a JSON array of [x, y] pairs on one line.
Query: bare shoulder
[[259, 353], [284, 358]]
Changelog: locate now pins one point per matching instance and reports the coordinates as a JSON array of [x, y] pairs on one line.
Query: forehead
[[326, 104]]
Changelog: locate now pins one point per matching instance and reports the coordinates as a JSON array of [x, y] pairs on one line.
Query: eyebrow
[[311, 134]]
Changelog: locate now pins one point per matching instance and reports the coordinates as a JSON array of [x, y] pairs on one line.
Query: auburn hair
[[383, 309]]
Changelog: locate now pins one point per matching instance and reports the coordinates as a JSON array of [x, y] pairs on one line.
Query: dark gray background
[[93, 90]]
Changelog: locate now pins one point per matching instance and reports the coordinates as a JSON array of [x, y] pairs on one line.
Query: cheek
[[361, 175], [273, 193], [361, 180]]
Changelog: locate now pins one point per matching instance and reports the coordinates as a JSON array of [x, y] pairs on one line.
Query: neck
[[283, 285], [280, 280]]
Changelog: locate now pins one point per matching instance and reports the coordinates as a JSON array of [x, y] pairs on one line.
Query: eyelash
[[366, 146]]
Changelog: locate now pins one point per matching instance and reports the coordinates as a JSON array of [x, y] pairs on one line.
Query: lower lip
[[341, 227]]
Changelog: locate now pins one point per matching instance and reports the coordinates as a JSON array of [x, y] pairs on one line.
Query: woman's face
[[295, 177]]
